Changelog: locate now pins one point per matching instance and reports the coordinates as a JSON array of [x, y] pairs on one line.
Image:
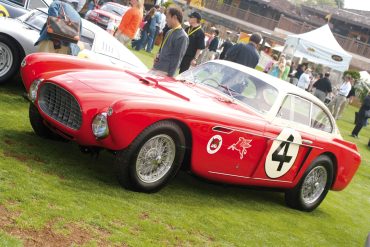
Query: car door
[[290, 140]]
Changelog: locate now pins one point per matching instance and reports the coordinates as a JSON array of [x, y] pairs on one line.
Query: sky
[[357, 4]]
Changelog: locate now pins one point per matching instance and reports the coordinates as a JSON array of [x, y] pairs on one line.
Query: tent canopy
[[318, 46]]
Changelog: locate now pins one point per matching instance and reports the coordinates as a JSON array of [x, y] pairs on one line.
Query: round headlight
[[32, 93], [100, 125]]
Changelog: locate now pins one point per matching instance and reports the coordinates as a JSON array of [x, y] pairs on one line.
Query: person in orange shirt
[[130, 22]]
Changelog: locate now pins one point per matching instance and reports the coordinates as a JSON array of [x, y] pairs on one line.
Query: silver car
[[17, 38]]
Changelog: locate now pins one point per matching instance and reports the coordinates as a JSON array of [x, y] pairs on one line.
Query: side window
[[34, 4], [302, 109], [18, 2], [320, 120], [295, 109], [286, 109]]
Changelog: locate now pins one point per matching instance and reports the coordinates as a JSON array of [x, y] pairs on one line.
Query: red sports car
[[222, 121], [107, 11]]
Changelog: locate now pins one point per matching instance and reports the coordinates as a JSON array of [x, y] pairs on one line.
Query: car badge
[[241, 146], [214, 144]]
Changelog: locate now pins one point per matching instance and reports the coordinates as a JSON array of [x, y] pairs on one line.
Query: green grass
[[51, 194]]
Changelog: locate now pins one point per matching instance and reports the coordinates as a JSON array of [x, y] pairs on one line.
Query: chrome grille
[[60, 105]]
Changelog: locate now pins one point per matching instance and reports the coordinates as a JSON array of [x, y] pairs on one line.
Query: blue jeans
[[150, 48]]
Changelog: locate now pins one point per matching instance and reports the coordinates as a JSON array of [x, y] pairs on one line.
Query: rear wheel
[[152, 159], [313, 187], [10, 59]]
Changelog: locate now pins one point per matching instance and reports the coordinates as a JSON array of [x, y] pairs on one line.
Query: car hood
[[130, 85]]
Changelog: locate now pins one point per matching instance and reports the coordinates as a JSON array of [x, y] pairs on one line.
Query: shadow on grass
[[64, 160]]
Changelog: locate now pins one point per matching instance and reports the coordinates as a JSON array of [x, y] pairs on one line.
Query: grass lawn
[[53, 195]]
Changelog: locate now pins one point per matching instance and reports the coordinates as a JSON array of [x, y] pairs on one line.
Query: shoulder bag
[[62, 28]]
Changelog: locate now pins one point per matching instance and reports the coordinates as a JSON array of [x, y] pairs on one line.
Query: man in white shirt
[[335, 105], [304, 79]]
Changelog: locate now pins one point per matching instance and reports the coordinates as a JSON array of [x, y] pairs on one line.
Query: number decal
[[283, 153], [282, 158]]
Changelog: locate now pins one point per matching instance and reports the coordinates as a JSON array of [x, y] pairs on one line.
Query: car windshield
[[239, 85], [114, 9], [35, 19]]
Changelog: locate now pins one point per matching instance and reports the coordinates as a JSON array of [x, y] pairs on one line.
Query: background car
[[106, 12], [222, 121], [17, 38], [16, 8]]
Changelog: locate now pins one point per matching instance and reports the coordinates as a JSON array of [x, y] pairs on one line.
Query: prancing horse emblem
[[241, 146]]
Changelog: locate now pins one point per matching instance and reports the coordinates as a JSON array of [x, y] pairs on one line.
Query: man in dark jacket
[[246, 54], [361, 120], [323, 87], [225, 47]]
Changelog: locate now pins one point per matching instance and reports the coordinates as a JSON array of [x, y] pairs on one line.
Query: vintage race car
[[102, 14], [222, 121], [18, 36], [16, 8]]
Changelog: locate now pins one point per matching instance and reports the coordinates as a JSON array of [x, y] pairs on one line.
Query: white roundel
[[214, 144], [283, 153]]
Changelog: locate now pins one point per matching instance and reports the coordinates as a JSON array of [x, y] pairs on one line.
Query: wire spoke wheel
[[6, 59], [155, 158], [314, 184]]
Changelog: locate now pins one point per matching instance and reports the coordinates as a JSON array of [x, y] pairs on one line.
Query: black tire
[[126, 160], [38, 126], [16, 56], [294, 197]]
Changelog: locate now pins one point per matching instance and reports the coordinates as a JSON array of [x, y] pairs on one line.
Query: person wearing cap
[[46, 43], [174, 45], [323, 87], [196, 42], [246, 54]]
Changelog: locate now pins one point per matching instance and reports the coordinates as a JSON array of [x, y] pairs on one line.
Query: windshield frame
[[236, 84]]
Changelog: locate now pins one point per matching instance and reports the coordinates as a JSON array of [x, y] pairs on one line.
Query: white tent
[[318, 46]]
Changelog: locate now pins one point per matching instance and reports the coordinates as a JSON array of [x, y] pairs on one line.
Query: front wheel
[[152, 159], [313, 186], [38, 126], [10, 59]]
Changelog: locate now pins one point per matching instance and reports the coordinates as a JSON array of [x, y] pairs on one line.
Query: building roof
[[359, 18]]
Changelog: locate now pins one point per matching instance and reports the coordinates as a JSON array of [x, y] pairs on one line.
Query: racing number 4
[[283, 158], [283, 153]]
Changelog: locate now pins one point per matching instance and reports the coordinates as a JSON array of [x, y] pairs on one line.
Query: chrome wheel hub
[[314, 184], [6, 59], [155, 158]]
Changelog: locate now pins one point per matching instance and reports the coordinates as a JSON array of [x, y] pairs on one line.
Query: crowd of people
[[182, 48]]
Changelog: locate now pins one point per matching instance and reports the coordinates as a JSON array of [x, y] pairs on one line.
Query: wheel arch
[[186, 164], [19, 46], [334, 160]]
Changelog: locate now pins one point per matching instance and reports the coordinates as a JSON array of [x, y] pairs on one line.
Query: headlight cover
[[100, 125], [32, 93]]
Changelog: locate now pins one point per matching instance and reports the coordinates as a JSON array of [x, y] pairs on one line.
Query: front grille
[[60, 105]]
